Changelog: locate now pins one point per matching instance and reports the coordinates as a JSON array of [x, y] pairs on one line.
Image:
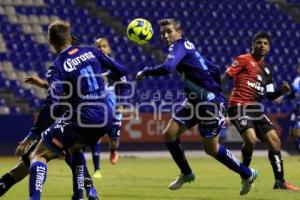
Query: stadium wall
[[142, 133]]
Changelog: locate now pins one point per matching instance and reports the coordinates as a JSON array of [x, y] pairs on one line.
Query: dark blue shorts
[[208, 115], [63, 134]]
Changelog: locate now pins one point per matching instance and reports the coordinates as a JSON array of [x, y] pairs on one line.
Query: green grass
[[136, 179]]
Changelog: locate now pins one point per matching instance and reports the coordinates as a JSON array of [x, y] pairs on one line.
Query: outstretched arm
[[35, 80]]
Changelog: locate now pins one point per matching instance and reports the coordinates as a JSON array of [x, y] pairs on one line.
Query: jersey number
[[91, 78], [201, 60]]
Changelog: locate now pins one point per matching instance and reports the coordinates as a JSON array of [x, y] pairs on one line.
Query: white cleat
[[180, 180], [248, 183]]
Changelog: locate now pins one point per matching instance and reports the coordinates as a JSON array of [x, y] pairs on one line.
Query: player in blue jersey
[[74, 81], [103, 45], [204, 105], [295, 117], [28, 144]]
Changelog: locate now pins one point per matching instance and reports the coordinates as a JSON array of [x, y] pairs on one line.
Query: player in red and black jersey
[[252, 80]]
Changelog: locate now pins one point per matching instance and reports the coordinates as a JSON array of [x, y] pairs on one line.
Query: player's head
[[170, 30], [261, 44], [59, 34], [103, 45]]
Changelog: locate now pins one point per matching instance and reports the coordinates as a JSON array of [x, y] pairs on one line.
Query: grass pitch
[[139, 179]]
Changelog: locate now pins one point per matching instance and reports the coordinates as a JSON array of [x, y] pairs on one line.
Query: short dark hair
[[59, 32], [168, 21], [261, 34]]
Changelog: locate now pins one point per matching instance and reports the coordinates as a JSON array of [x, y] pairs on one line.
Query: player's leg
[[171, 136], [250, 139], [12, 177], [78, 166], [244, 124], [96, 148], [91, 192], [295, 134], [19, 172], [114, 140], [274, 146], [225, 156], [38, 169]]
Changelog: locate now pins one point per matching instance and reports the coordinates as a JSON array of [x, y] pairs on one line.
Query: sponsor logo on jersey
[[189, 45], [257, 86], [72, 63]]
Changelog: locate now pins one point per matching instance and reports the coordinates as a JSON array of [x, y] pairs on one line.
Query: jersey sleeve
[[118, 69], [238, 64], [176, 54], [57, 84]]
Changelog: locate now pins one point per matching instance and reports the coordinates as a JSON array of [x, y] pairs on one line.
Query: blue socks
[[297, 144], [38, 174], [78, 171], [96, 156], [229, 160]]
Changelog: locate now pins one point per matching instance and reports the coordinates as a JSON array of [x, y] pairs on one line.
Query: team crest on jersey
[[171, 47], [243, 122], [189, 45], [235, 63]]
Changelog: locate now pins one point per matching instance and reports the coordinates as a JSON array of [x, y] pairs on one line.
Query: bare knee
[[169, 135], [211, 146], [172, 131], [273, 141]]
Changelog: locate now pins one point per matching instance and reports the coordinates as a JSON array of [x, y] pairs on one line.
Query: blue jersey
[[199, 75], [75, 77]]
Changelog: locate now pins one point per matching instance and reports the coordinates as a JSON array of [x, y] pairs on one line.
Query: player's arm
[[273, 94], [233, 70], [35, 80], [118, 69], [176, 54]]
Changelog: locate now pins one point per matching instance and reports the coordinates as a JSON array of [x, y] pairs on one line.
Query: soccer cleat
[[92, 194], [279, 185], [97, 174], [248, 183], [180, 180], [114, 157]]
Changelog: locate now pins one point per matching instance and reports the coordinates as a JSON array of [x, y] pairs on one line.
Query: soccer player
[[204, 105], [74, 80], [28, 144], [103, 45], [252, 80], [295, 118]]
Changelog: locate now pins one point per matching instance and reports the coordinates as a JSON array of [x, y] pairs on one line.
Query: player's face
[[261, 47], [103, 46], [169, 34]]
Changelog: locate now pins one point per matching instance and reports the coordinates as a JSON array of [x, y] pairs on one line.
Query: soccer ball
[[139, 31]]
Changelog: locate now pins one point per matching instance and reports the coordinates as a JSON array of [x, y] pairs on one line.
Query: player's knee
[[211, 151], [169, 136]]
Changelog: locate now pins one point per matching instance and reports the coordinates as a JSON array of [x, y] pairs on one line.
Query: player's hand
[[139, 76], [285, 87], [35, 80], [23, 146]]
